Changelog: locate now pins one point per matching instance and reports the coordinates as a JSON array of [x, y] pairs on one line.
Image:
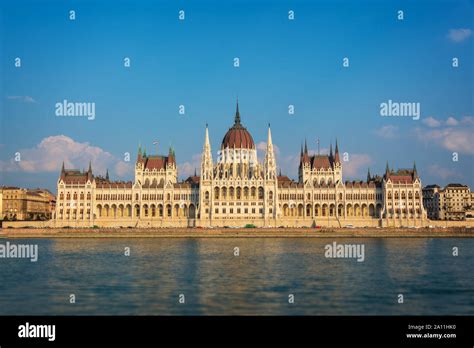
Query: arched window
[[260, 192]]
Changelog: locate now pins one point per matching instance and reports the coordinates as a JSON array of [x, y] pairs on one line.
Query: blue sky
[[190, 62]]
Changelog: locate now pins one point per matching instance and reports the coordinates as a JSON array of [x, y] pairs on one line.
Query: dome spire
[[237, 113], [237, 137]]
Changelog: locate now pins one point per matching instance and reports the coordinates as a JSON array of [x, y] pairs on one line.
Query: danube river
[[257, 282]]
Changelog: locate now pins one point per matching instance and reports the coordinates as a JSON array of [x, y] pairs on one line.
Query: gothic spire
[[368, 175], [269, 141], [305, 147], [206, 158], [237, 114], [107, 174], [336, 155], [206, 138], [269, 162]]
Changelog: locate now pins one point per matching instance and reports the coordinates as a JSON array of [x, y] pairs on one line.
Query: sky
[[190, 62]]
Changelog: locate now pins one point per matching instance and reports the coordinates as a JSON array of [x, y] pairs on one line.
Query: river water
[[257, 282]]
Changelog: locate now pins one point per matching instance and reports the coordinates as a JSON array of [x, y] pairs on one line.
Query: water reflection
[[214, 281]]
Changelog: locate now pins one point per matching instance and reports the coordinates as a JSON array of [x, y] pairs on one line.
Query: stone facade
[[26, 204], [453, 202], [236, 189]]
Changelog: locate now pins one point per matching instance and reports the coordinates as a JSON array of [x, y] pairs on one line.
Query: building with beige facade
[[235, 189], [453, 202], [26, 204]]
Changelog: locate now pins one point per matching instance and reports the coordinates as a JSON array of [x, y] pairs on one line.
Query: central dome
[[237, 136]]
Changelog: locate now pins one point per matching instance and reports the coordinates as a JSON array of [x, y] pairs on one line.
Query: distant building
[[236, 189], [453, 202], [26, 204], [431, 201]]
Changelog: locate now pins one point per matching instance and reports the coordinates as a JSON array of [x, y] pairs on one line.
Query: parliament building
[[237, 190]]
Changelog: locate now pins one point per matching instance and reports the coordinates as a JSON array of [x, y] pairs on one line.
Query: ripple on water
[[257, 282]]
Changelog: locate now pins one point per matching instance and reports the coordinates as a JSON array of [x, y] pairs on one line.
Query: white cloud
[[444, 173], [453, 139], [387, 132], [431, 122], [22, 98], [262, 146], [451, 121], [357, 165], [123, 169], [468, 120], [459, 35], [49, 154], [186, 169]]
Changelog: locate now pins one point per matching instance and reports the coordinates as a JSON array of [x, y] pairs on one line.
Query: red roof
[[193, 179], [238, 137], [75, 177], [320, 161], [155, 162], [284, 181], [405, 179]]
